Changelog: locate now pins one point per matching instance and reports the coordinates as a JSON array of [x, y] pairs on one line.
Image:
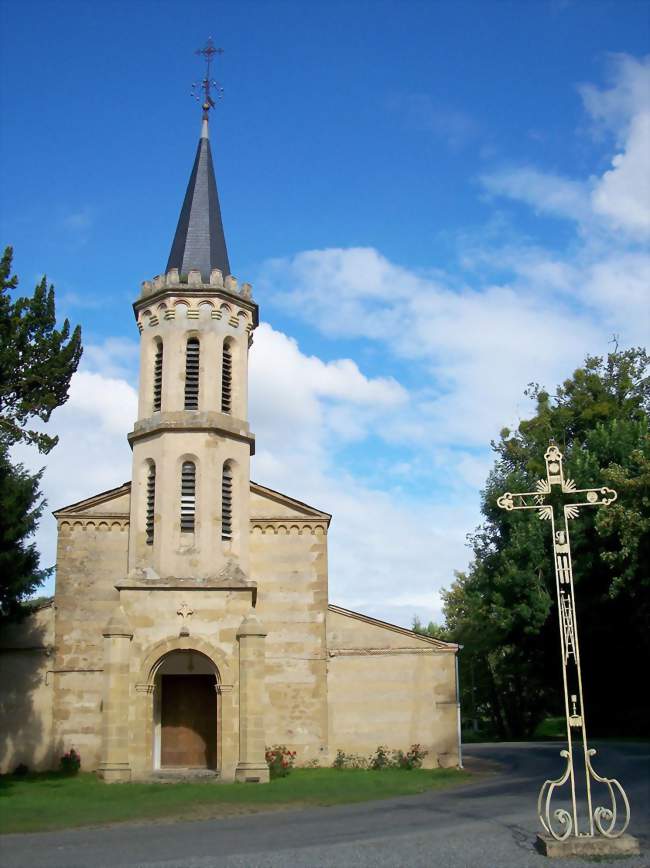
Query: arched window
[[226, 503], [226, 378], [188, 496], [192, 374], [157, 376], [151, 503]]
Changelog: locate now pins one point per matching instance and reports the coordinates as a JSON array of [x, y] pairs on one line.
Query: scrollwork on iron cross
[[601, 819]]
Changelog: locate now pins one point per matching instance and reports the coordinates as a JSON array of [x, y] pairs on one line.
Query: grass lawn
[[551, 727], [41, 802]]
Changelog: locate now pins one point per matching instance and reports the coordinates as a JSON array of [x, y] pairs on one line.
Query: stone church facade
[[191, 626]]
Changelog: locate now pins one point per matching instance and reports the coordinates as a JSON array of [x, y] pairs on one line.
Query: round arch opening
[[186, 711]]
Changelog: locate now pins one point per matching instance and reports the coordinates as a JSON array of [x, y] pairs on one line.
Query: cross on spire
[[208, 52]]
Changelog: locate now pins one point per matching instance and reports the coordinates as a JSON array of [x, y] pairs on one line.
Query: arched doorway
[[185, 711]]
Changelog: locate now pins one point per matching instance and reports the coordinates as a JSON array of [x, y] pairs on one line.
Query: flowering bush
[[382, 758], [280, 760], [349, 761], [70, 762], [412, 759]]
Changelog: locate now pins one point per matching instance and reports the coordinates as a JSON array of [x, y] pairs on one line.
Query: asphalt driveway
[[489, 823]]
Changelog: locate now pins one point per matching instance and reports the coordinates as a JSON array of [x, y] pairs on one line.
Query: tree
[[21, 506], [503, 609], [433, 630], [37, 361]]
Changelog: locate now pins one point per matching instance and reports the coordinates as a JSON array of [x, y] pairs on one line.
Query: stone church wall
[[26, 688], [91, 557], [289, 562], [389, 688]]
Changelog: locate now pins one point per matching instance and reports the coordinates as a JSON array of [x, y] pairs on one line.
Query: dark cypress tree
[[37, 361]]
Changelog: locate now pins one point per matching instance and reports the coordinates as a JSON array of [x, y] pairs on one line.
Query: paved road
[[490, 823]]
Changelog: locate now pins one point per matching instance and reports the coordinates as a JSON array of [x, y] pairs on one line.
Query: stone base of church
[[114, 773], [588, 846], [252, 773]]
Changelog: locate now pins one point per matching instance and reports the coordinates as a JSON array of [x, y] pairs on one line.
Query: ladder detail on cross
[[601, 819]]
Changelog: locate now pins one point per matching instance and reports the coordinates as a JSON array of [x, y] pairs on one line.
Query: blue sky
[[435, 202]]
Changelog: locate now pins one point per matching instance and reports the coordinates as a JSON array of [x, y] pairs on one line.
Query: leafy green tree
[[433, 630], [37, 361], [503, 608]]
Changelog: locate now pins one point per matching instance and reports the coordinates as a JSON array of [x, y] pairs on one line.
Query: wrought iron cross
[[573, 500], [208, 52]]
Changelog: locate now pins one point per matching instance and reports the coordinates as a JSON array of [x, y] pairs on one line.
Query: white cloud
[[546, 192], [476, 350], [619, 200], [317, 398], [622, 194], [113, 357]]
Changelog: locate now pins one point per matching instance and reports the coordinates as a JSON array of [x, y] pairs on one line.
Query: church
[[191, 626]]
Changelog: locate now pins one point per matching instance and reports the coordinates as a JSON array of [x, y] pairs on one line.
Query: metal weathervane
[[201, 90], [602, 820]]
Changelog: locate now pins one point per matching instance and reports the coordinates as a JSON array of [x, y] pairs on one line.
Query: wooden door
[[188, 721]]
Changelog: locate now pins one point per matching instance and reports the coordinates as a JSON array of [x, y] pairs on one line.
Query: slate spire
[[199, 242]]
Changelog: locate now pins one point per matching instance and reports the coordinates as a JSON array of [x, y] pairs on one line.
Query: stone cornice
[[288, 526], [164, 287], [262, 526], [372, 652], [184, 421], [109, 521], [221, 582], [184, 584]]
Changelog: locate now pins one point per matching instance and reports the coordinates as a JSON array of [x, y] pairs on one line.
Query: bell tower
[[191, 441]]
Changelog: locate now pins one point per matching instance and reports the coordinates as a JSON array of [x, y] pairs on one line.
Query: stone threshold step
[[176, 775]]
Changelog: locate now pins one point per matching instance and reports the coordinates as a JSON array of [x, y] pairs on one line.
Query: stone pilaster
[[252, 765], [114, 765], [228, 742]]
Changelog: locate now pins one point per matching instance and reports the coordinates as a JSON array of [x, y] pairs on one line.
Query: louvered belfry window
[[226, 503], [157, 376], [226, 379], [151, 502], [188, 496], [192, 374]]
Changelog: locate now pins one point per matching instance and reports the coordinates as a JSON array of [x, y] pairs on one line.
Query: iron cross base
[[587, 847]]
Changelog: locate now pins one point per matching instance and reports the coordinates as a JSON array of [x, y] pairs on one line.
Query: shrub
[[349, 761], [70, 762], [21, 770], [280, 760], [412, 759], [381, 759]]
